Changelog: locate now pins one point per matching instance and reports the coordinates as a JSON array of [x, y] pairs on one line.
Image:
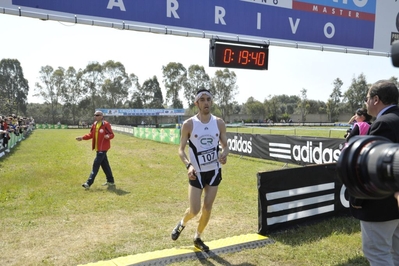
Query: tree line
[[72, 95]]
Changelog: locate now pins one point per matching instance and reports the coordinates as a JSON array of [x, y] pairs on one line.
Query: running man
[[204, 132]]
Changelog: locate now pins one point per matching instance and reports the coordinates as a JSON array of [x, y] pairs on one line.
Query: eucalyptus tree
[[135, 93], [92, 80], [272, 107], [225, 89], [288, 104], [255, 109], [14, 87], [72, 92], [151, 94], [316, 107], [303, 104], [197, 79], [116, 84], [333, 103], [174, 78], [50, 89], [357, 91]]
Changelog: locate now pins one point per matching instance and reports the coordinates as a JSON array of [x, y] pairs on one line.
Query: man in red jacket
[[100, 134]]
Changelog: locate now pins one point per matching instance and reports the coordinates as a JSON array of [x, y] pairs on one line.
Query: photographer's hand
[[352, 119]]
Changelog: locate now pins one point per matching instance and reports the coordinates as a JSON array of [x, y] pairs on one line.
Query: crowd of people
[[13, 124]]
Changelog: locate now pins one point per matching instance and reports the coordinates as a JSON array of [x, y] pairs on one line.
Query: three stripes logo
[[280, 150], [299, 203]]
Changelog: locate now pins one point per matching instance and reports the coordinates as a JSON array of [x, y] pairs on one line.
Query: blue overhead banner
[[325, 22], [369, 26]]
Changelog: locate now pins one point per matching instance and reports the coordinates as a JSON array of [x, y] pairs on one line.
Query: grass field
[[322, 132], [47, 218]]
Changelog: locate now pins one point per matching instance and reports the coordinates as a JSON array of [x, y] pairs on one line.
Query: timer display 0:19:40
[[239, 56]]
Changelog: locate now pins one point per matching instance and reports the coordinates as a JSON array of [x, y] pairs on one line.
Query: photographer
[[379, 218]]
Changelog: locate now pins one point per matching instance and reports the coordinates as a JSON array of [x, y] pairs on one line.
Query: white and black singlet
[[204, 152]]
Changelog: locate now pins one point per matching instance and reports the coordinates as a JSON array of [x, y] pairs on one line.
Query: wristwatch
[[188, 165]]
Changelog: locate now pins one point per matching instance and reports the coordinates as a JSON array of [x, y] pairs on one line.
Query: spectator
[[361, 123], [6, 136], [100, 134], [379, 219]]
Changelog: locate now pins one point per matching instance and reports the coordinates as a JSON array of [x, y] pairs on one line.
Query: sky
[[36, 43]]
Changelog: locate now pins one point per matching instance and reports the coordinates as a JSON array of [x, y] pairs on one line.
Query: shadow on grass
[[321, 229], [7, 154], [357, 261], [208, 257], [307, 234], [117, 191]]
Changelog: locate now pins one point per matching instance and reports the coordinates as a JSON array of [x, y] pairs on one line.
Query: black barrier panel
[[299, 195], [287, 149]]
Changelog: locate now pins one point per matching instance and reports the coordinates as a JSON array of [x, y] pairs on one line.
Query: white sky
[[37, 43]]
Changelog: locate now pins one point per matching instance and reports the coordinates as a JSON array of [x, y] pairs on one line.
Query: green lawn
[[322, 132], [47, 218]]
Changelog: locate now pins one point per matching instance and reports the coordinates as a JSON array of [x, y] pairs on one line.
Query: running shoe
[[177, 230], [200, 245], [110, 184]]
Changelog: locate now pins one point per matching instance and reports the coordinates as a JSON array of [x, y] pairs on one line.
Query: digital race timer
[[238, 55]]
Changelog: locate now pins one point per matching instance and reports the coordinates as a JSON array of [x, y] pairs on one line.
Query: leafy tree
[[92, 79], [136, 101], [303, 104], [71, 93], [174, 77], [272, 108], [287, 104], [50, 87], [14, 87], [255, 109], [115, 88], [334, 100], [354, 96], [151, 94], [197, 79], [237, 108], [316, 107], [225, 89], [37, 111]]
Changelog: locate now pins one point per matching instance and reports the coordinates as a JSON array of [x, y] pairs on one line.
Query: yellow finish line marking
[[167, 256]]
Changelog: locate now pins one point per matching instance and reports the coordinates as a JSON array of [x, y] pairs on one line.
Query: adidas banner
[[287, 149], [298, 196]]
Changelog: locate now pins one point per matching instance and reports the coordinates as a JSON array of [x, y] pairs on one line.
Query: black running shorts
[[211, 178]]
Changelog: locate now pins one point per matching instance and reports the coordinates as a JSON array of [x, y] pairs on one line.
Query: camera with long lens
[[369, 167]]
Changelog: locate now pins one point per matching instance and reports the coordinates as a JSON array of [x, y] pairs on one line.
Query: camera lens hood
[[352, 167]]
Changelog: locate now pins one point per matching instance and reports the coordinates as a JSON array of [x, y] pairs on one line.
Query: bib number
[[207, 157]]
